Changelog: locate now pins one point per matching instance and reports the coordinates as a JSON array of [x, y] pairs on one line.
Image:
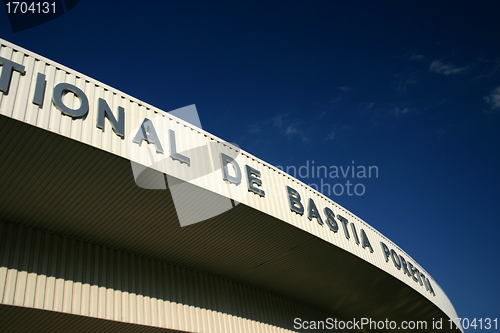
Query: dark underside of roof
[[63, 186]]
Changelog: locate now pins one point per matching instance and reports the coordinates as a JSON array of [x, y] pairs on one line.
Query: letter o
[[341, 187], [356, 191], [59, 92]]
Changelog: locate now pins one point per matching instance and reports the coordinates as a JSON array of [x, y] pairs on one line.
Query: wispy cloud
[[330, 136], [345, 88], [399, 111], [446, 69], [294, 130], [493, 99], [254, 128], [417, 57], [487, 68], [288, 127], [435, 105], [404, 81], [291, 129], [279, 119]]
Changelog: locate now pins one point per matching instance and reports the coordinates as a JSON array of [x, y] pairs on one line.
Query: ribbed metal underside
[[63, 186], [15, 319]]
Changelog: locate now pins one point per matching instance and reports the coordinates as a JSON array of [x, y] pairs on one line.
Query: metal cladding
[[96, 244], [56, 273]]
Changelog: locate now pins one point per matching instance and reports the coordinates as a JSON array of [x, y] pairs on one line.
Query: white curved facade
[[54, 259]]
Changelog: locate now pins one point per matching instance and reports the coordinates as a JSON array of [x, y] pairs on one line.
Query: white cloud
[[399, 111], [416, 57], [493, 99], [446, 69], [345, 89], [404, 84], [254, 128], [330, 136], [291, 129], [278, 120]]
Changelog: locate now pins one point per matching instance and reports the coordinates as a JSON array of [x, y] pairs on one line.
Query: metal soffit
[[19, 319], [57, 184]]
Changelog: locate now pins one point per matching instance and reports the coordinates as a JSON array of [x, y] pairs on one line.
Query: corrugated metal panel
[[14, 319], [17, 104], [133, 289]]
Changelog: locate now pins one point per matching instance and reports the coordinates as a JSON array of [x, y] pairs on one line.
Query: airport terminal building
[[117, 216]]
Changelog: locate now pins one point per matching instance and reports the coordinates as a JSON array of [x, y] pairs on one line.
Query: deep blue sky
[[410, 87]]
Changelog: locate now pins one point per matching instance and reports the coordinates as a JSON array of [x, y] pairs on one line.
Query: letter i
[[39, 90]]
